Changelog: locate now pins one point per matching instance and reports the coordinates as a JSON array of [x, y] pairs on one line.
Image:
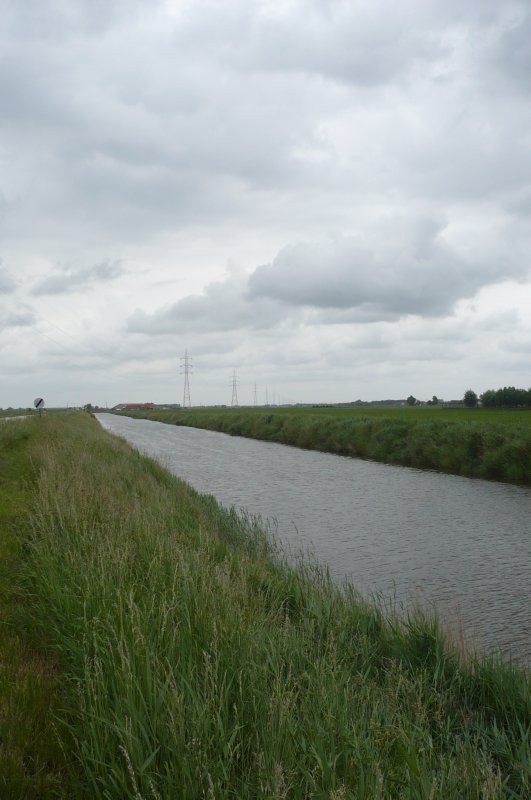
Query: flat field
[[518, 417], [513, 417]]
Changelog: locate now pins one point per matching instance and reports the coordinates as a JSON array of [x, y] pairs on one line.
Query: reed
[[472, 444], [31, 760], [195, 663]]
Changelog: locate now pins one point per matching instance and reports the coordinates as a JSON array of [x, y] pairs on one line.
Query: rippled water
[[458, 543]]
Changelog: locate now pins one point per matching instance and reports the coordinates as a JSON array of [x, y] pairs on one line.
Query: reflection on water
[[458, 543]]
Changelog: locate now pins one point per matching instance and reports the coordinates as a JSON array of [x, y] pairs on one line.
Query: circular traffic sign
[[38, 402]]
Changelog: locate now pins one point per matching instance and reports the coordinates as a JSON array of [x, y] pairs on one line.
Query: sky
[[330, 198]]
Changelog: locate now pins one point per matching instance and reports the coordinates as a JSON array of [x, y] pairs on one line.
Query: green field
[[158, 647], [518, 417], [479, 443]]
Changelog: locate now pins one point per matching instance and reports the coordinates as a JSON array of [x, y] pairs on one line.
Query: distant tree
[[470, 399], [411, 401], [508, 397], [488, 399], [435, 400]]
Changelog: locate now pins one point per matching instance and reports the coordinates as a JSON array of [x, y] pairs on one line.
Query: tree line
[[507, 397]]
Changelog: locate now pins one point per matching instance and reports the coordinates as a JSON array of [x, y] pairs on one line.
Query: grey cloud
[[517, 344], [216, 106], [222, 307], [359, 43], [158, 129], [57, 19], [364, 313], [7, 284], [21, 318], [74, 280], [409, 270], [513, 52], [343, 42], [400, 268], [520, 202]]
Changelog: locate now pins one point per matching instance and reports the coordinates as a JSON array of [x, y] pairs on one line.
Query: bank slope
[[469, 446], [195, 663]]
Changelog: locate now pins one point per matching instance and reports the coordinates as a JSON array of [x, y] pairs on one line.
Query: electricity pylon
[[234, 401], [186, 369]]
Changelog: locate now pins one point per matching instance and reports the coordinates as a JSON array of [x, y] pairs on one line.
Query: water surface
[[458, 543]]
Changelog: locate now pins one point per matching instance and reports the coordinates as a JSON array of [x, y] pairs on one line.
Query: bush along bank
[[194, 663], [475, 449]]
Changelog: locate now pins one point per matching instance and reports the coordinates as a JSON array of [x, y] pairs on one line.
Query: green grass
[[194, 663], [31, 762], [494, 445], [518, 417]]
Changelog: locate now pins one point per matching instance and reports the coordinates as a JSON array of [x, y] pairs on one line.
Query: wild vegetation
[[478, 443], [31, 761], [194, 663]]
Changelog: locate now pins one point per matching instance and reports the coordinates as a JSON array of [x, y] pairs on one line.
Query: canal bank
[[477, 443], [193, 663], [461, 546]]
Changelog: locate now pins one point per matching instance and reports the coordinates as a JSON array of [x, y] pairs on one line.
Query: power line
[[186, 369]]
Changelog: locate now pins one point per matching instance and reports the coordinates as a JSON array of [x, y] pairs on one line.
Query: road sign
[[38, 402]]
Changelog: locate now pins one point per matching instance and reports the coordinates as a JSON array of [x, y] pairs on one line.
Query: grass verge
[[471, 444], [195, 664], [31, 761]]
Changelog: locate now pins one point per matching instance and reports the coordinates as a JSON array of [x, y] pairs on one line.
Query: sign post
[[39, 404]]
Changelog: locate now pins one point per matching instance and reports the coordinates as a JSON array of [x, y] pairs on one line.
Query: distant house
[[133, 406]]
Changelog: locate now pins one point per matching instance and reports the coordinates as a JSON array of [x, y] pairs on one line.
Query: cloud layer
[[270, 182]]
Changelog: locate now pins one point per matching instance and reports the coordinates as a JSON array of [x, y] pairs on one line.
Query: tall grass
[[31, 762], [196, 664], [463, 447]]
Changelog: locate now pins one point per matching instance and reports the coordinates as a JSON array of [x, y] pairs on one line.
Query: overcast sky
[[331, 197]]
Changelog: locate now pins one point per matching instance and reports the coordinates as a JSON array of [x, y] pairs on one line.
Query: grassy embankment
[[190, 662], [31, 764], [478, 443]]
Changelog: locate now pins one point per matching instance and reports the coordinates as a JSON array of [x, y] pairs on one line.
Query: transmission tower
[[255, 398], [234, 401], [186, 369]]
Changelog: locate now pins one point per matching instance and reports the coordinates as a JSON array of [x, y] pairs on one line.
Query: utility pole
[[186, 369], [267, 396], [234, 401], [255, 399]]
